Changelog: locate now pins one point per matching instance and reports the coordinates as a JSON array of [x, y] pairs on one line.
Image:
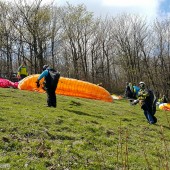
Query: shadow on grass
[[84, 114], [75, 103], [60, 137], [166, 127]]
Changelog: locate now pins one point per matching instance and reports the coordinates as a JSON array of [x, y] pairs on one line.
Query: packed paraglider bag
[[55, 76], [153, 101], [52, 80]]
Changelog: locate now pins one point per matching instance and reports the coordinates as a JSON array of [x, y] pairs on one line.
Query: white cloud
[[128, 3], [146, 8]]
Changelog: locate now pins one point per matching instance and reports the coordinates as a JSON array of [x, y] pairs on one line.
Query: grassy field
[[79, 134]]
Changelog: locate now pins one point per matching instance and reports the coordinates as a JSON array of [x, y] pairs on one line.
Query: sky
[[148, 8]]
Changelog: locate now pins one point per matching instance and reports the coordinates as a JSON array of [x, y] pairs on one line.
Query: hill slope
[[79, 134]]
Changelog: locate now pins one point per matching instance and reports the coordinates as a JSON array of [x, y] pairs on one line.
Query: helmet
[[140, 83], [45, 67]]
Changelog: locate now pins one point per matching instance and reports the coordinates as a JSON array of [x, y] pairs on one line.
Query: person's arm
[[134, 102], [43, 74], [26, 70], [19, 70], [141, 96]]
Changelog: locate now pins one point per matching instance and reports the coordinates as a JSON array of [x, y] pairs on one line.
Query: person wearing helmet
[[147, 101], [50, 89]]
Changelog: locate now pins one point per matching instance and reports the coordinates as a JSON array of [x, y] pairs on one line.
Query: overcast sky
[[148, 8]]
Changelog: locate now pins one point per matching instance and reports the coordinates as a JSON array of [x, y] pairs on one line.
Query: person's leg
[[153, 113], [154, 110], [155, 119], [145, 113], [149, 117], [49, 102], [53, 98]]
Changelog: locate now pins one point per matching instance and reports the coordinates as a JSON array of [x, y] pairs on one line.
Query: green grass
[[79, 134]]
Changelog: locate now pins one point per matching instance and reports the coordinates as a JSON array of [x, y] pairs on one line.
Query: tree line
[[111, 50]]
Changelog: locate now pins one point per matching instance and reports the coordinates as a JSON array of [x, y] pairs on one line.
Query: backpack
[[128, 92], [152, 101], [55, 76]]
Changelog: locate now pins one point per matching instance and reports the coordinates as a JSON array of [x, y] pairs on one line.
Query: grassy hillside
[[79, 134]]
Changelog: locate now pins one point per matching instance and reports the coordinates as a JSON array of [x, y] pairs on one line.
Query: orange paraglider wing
[[69, 87], [165, 106]]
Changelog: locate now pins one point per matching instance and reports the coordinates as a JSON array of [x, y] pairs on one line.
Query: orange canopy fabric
[[165, 106], [116, 97], [69, 87]]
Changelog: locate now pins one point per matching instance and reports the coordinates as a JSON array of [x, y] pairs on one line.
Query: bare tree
[[76, 23], [33, 26], [7, 40], [162, 54], [130, 32]]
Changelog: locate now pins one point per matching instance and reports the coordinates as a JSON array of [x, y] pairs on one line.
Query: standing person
[[135, 91], [147, 100], [129, 90], [22, 71], [164, 99], [50, 84]]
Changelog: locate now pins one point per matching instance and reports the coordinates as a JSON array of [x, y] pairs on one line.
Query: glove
[[18, 76], [38, 84], [134, 102]]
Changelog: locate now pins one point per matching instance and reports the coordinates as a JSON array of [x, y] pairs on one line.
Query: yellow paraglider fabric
[[165, 106], [69, 87], [114, 96]]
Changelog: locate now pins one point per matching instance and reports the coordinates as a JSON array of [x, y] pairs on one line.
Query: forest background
[[108, 50]]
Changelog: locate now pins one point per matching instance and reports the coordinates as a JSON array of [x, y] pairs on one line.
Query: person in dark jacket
[[147, 100], [164, 99], [50, 88], [129, 91]]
